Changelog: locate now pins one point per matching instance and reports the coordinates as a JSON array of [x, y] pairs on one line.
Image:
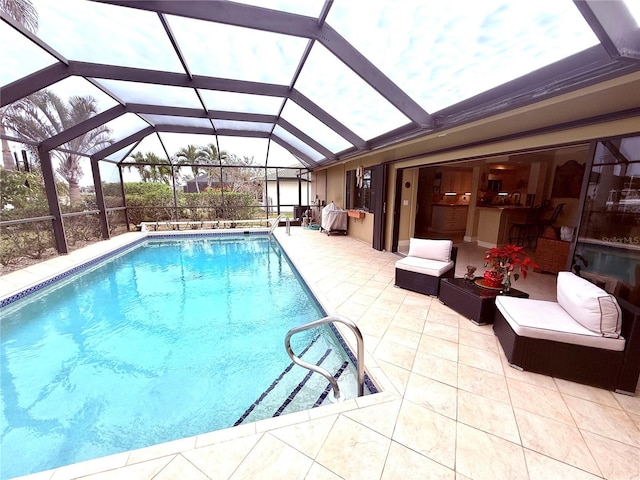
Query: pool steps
[[300, 388]]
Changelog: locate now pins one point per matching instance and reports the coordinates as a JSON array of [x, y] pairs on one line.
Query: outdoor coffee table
[[471, 300]]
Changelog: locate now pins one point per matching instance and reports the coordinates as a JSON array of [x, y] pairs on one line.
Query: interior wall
[[569, 214], [408, 204]]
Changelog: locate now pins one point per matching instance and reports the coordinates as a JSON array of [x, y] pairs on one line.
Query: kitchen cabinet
[[458, 181], [449, 218]]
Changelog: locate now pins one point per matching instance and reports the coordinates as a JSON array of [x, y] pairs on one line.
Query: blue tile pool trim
[[150, 236], [301, 385], [163, 236], [367, 381], [273, 385], [328, 388]]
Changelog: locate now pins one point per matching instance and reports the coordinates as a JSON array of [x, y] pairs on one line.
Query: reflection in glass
[[608, 247]]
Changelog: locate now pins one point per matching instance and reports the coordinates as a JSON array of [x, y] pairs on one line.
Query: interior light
[[468, 193], [449, 194], [502, 194]]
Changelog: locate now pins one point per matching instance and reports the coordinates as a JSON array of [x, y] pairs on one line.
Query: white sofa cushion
[[549, 321], [589, 305], [424, 266], [439, 250]]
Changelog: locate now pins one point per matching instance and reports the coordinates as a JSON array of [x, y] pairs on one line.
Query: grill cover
[[334, 218]]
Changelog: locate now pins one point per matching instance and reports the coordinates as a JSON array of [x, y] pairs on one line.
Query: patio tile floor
[[450, 407]]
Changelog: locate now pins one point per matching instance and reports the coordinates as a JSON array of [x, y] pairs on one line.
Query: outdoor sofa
[[587, 336]]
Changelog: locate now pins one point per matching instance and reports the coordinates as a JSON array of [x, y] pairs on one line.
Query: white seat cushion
[[549, 321], [589, 305], [439, 250], [424, 266]]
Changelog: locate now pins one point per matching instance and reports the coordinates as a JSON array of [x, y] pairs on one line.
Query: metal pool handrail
[[277, 221], [315, 368]]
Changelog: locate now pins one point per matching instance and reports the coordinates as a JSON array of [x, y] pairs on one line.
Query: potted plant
[[503, 263]]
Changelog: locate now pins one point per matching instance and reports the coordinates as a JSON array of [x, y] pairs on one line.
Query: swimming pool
[[147, 346]]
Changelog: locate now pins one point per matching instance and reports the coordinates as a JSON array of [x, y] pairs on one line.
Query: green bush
[[149, 202], [30, 240]]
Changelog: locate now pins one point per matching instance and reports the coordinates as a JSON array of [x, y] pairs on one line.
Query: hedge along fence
[[148, 202], [26, 241], [154, 202]]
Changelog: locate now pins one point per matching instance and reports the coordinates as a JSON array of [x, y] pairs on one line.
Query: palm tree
[[209, 155], [150, 167], [44, 114], [190, 155], [23, 12]]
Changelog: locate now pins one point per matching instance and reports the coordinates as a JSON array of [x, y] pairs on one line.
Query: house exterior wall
[[335, 175], [288, 194]]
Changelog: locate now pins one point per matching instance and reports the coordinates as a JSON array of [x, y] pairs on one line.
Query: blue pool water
[[169, 339]]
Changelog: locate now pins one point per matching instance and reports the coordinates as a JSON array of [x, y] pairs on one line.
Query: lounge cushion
[[424, 266], [549, 321], [589, 305], [439, 250]]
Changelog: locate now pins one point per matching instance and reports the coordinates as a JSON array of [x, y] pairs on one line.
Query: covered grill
[[334, 219]]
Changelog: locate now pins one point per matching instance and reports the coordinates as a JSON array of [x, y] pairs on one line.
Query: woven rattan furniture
[[552, 254], [472, 301], [587, 359], [421, 271]]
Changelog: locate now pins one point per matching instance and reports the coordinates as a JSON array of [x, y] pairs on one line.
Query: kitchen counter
[[494, 223], [447, 218]]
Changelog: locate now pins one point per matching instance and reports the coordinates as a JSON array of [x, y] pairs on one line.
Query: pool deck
[[451, 407]]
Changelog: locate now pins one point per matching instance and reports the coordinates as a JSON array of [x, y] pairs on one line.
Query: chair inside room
[[550, 222], [525, 234]]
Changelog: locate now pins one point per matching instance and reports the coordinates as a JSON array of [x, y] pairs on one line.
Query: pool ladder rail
[[315, 368], [277, 221]]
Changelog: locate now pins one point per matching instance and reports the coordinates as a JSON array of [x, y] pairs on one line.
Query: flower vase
[[493, 279], [507, 282]]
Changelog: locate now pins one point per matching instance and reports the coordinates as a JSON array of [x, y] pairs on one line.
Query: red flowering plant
[[508, 261]]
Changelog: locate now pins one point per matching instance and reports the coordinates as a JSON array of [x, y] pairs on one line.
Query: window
[[359, 189], [608, 246]]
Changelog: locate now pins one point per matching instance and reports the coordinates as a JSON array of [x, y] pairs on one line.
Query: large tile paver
[[452, 406]]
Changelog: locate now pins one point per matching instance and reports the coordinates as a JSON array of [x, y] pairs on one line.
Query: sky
[[440, 53]]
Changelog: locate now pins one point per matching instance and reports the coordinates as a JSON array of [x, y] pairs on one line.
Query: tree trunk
[[7, 159], [74, 192]]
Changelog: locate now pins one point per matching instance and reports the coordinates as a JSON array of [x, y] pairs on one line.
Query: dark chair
[[420, 271], [549, 222], [525, 234]]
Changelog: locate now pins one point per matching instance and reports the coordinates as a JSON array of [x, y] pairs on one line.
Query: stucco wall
[[335, 175], [362, 228]]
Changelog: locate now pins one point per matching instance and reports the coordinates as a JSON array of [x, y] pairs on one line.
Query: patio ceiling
[[309, 83]]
